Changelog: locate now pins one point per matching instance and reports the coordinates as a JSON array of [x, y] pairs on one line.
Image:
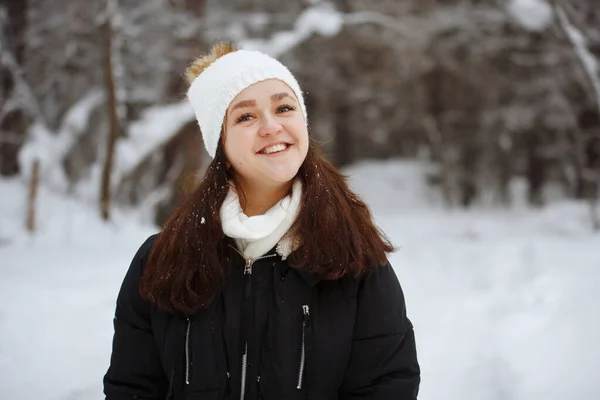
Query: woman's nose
[[269, 127]]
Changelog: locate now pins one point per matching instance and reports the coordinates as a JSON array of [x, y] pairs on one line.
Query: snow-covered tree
[[487, 91]]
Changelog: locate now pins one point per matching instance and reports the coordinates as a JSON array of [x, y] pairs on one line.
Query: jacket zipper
[[244, 371], [248, 287], [305, 320], [187, 350]]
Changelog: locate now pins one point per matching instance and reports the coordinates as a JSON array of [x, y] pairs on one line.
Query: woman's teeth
[[275, 149]]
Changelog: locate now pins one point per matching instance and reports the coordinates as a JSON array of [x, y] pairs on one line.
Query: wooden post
[[33, 186]]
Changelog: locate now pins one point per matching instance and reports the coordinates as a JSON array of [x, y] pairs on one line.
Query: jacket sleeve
[[383, 363], [135, 370]]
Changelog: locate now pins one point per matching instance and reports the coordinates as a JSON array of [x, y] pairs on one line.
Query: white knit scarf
[[255, 236]]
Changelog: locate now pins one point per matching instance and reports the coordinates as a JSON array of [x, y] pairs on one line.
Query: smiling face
[[265, 135]]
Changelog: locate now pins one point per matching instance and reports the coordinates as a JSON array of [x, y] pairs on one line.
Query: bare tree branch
[[584, 56]]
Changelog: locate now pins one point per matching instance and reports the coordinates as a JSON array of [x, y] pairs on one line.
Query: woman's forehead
[[270, 89]]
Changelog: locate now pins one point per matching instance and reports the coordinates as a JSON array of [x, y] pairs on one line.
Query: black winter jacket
[[306, 339]]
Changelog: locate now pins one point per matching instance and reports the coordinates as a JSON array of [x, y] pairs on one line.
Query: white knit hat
[[212, 91]]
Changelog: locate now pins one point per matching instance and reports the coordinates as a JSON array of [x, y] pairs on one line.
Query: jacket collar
[[284, 265]]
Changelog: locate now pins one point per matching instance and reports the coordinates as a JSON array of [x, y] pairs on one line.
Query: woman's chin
[[281, 177]]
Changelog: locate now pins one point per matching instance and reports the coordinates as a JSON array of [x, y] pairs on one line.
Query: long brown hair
[[189, 259]]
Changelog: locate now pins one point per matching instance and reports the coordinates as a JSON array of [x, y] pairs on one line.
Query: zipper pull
[[248, 267], [306, 314]]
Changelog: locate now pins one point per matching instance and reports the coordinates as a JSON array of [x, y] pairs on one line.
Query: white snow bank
[[503, 302]]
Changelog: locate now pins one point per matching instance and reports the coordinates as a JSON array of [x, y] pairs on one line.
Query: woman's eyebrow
[[244, 103], [252, 103], [279, 96]]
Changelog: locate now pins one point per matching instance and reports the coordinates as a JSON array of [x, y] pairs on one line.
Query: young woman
[[271, 280]]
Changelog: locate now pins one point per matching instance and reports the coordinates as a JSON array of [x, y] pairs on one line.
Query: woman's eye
[[243, 118], [285, 108]]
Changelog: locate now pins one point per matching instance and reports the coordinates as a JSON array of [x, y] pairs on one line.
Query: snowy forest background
[[472, 128]]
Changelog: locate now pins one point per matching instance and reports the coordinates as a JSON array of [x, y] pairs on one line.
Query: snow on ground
[[503, 301]]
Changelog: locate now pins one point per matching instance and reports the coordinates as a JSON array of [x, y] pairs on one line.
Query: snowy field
[[504, 302]]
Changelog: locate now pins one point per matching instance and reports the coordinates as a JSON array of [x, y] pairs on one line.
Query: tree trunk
[[505, 175], [468, 183], [12, 128], [535, 169], [113, 124], [344, 154]]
